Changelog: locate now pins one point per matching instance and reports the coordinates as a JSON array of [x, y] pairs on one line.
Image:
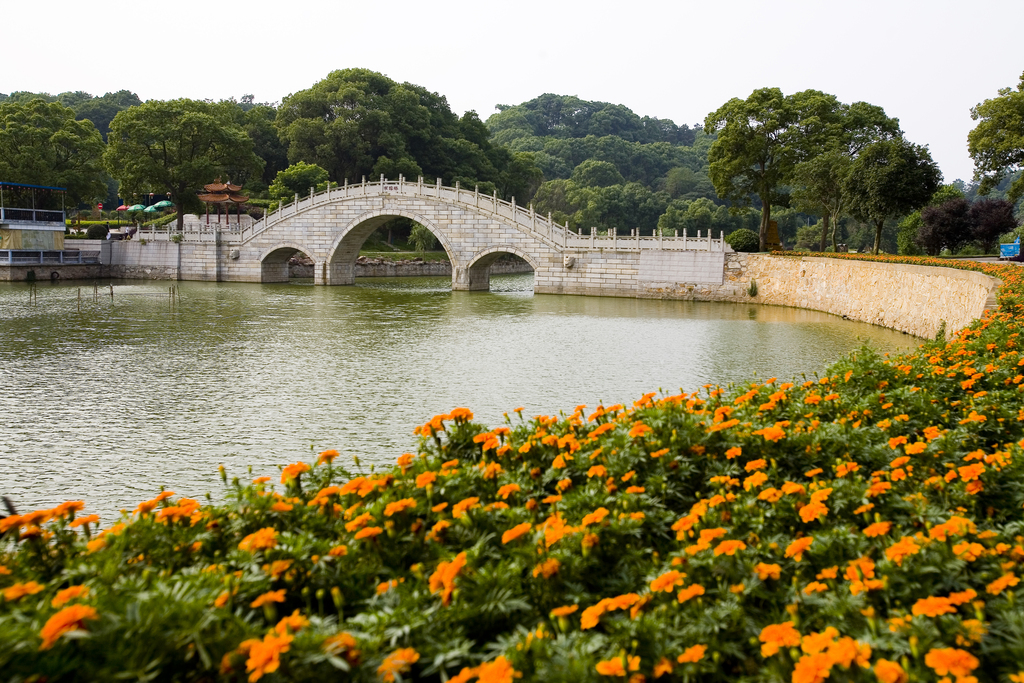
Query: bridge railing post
[[476, 196], [684, 239]]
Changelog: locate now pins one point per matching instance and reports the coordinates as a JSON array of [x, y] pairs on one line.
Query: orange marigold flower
[[460, 508], [20, 590], [498, 671], [547, 568], [88, 519], [1005, 581], [268, 597], [813, 511], [878, 529], [611, 667], [829, 573], [933, 607], [767, 571], [597, 471], [292, 471], [638, 430], [400, 661], [68, 619], [327, 456], [971, 472], [733, 452], [692, 654], [426, 479], [399, 506], [338, 551], [667, 581], [564, 611], [915, 448], [951, 661], [729, 548], [263, 539], [68, 594], [812, 668], [758, 464], [773, 434], [595, 517], [443, 578], [508, 489], [797, 548], [771, 495], [690, 592], [777, 636], [292, 623], [515, 532], [369, 532], [664, 666], [890, 672], [902, 549]]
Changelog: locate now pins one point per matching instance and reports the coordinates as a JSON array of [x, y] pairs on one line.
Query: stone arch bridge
[[330, 227]]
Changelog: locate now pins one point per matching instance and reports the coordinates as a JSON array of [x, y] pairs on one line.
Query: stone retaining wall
[[918, 300]]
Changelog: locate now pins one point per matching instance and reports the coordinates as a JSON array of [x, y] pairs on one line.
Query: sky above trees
[[926, 64]]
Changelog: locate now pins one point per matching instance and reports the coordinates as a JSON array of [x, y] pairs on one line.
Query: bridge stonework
[[474, 229]]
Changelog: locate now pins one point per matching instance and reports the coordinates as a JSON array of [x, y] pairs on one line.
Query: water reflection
[[107, 403]]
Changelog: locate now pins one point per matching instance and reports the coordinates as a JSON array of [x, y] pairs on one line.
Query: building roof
[[34, 187]]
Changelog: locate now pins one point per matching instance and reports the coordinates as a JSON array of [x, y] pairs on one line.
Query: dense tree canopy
[[997, 142], [891, 178], [41, 143], [176, 147], [358, 123]]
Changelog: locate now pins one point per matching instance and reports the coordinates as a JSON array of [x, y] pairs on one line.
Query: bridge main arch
[[339, 267]]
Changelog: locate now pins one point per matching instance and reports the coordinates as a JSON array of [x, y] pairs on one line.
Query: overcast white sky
[[926, 63]]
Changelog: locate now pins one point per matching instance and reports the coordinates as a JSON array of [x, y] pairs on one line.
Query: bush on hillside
[[97, 232]]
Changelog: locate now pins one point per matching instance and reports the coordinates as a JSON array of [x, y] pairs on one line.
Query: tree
[[946, 226], [997, 143], [890, 178], [752, 155], [297, 179], [907, 237], [176, 147], [991, 218], [41, 143], [357, 122], [593, 173], [102, 110], [836, 133]]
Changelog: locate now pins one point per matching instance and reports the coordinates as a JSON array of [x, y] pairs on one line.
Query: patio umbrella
[[163, 204], [151, 209], [121, 208], [136, 207]]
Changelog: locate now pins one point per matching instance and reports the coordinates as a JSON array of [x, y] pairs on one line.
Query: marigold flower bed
[[865, 525]]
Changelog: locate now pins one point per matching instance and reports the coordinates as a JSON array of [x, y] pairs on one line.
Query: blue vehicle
[[1008, 251]]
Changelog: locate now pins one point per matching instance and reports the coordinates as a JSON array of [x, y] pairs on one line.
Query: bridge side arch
[[274, 261], [339, 266], [477, 273]]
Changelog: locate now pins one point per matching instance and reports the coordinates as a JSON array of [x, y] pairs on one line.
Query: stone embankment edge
[[918, 300]]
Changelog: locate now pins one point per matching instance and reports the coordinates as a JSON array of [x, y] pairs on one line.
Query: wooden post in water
[[79, 299]]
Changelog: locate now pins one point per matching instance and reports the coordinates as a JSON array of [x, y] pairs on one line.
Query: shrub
[[744, 240], [97, 232]]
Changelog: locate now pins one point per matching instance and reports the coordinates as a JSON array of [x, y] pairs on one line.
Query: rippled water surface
[[107, 403]]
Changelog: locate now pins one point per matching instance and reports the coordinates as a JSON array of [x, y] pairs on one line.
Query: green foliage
[[357, 123], [891, 178], [592, 173], [297, 179], [421, 238], [176, 147], [997, 143], [902, 476], [744, 240], [97, 232], [42, 144]]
